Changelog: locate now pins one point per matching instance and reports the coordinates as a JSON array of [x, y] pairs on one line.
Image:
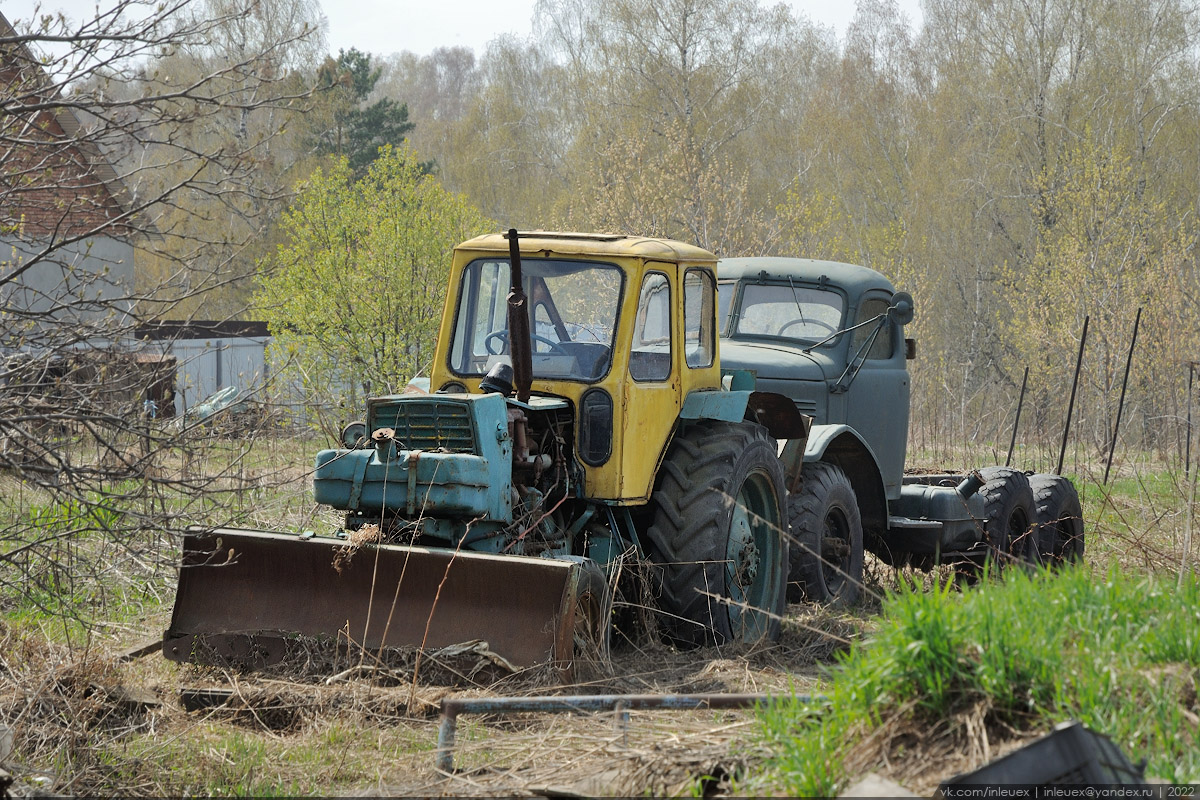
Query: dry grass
[[331, 723], [90, 724]]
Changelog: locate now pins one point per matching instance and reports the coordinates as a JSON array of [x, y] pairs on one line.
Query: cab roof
[[591, 244], [852, 277]]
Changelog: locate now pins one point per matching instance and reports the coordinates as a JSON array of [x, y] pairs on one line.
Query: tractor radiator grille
[[436, 425]]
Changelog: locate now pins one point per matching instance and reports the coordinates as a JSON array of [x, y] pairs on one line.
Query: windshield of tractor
[[790, 311], [574, 316]]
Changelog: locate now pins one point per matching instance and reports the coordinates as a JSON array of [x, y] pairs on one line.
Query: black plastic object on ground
[[1071, 755]]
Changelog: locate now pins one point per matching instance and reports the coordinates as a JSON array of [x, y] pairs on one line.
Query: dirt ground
[[67, 708], [334, 725], [660, 752]]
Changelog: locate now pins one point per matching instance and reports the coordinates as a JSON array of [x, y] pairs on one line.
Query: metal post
[[1020, 402], [1112, 446], [1187, 448], [1062, 453]]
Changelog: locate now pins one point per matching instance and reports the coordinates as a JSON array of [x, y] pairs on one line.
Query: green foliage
[[354, 295], [38, 549], [70, 515], [358, 130], [1120, 653], [1015, 167]]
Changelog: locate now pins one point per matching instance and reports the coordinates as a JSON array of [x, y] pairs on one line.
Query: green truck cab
[[830, 336]]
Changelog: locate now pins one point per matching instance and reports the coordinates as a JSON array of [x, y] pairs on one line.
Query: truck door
[[877, 400]]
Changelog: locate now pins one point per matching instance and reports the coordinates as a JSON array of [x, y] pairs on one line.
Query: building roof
[[50, 136], [201, 329]]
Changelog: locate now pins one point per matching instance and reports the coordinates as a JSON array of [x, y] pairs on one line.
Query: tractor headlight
[[595, 427]]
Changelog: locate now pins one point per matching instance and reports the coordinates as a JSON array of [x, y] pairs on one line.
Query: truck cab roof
[[852, 278]]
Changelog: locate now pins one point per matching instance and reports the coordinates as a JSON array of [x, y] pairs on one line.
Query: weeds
[[1120, 654]]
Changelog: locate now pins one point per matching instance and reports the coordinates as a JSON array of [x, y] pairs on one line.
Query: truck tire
[[1009, 523], [826, 549], [1059, 519], [717, 535]]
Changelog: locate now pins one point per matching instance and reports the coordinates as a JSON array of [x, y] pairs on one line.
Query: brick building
[[66, 252]]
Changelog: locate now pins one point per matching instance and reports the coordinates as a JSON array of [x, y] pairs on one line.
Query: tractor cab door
[[650, 401]]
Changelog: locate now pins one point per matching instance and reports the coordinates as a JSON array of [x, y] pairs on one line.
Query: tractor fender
[[843, 447], [774, 412]]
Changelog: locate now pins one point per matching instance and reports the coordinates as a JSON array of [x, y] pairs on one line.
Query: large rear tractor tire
[[717, 535], [1059, 519], [826, 549], [1010, 529]]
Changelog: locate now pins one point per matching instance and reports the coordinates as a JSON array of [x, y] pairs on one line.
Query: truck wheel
[[1059, 519], [717, 535], [826, 552], [1008, 524]]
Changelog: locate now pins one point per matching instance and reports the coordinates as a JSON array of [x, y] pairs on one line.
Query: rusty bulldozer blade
[[244, 594]]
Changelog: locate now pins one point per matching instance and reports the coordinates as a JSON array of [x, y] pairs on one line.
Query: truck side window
[[725, 292], [699, 338], [884, 344], [650, 358]]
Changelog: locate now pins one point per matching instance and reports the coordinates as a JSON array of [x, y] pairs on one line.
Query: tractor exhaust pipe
[[520, 345]]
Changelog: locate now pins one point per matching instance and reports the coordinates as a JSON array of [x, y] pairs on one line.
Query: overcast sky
[[384, 27]]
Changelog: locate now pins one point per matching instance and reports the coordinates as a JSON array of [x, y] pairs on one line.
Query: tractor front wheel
[[718, 535]]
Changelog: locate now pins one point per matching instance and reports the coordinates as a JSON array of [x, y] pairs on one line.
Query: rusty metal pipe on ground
[[452, 707]]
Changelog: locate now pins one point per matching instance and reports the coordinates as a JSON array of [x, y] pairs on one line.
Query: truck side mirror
[[902, 308], [910, 349]]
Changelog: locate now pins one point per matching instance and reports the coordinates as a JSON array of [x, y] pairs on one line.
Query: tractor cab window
[[699, 337], [650, 357], [574, 316], [789, 311]]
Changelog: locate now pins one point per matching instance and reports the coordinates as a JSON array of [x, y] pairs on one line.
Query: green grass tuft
[[1119, 653]]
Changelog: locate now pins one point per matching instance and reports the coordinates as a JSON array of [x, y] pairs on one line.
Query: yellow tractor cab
[[578, 429]]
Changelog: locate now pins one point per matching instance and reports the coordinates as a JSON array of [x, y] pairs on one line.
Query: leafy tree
[[354, 295], [358, 130], [686, 79], [245, 87]]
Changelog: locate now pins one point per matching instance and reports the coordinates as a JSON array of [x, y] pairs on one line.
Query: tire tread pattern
[[1007, 493], [1059, 519], [823, 484], [693, 502]]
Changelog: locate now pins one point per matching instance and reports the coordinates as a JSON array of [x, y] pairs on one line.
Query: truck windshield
[[573, 304], [786, 310]]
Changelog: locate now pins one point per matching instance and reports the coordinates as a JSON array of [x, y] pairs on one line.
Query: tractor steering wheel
[[502, 336]]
